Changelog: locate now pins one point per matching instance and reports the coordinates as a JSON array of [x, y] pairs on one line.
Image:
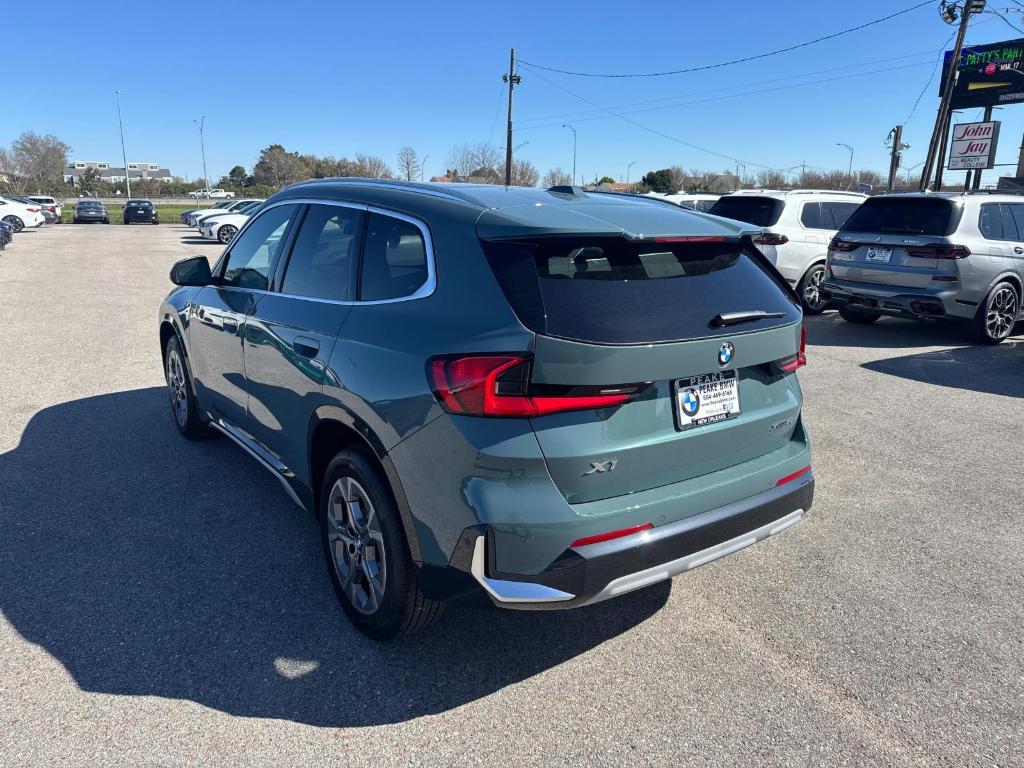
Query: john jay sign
[[973, 145]]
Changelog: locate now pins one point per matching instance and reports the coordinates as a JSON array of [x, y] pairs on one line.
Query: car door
[[291, 332], [217, 313]]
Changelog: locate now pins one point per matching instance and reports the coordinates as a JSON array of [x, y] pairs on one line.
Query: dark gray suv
[[487, 395]]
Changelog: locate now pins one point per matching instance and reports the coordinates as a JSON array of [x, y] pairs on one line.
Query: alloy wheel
[[177, 385], [812, 289], [357, 545], [226, 233], [15, 222], [1001, 313]]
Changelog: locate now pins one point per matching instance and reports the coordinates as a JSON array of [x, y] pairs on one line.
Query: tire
[[809, 290], [997, 314], [858, 317], [106, 221], [181, 393], [367, 553], [226, 233], [15, 222]]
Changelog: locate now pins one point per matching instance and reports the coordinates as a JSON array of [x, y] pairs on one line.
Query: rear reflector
[[497, 385], [795, 476], [597, 539], [945, 278]]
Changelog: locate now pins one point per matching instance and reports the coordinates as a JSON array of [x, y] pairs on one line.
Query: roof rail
[[994, 192], [633, 195]]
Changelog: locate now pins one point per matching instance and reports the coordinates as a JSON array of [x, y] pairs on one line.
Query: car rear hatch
[[898, 241], [674, 332]]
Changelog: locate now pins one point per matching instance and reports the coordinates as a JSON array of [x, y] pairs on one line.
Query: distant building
[[116, 174]]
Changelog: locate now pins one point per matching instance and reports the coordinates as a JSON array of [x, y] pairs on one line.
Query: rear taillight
[[597, 539], [32, 209], [939, 251], [498, 385], [835, 244], [770, 238], [799, 360]]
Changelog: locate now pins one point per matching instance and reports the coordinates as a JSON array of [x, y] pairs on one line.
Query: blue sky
[[340, 78]]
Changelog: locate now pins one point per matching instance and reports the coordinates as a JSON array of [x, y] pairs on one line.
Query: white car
[[197, 216], [20, 215], [798, 226], [47, 202], [213, 194], [225, 226], [695, 202]]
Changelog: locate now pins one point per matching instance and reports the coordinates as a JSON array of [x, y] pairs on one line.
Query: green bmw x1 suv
[[535, 399]]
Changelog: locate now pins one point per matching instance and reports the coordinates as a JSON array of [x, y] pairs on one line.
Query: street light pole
[[565, 125], [202, 145], [849, 170], [628, 168], [124, 154], [422, 165]]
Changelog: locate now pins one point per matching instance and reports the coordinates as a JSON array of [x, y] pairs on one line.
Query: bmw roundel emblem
[[690, 402], [725, 353]]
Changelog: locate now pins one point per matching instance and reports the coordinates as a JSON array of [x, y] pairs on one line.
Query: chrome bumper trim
[[511, 591], [645, 578]]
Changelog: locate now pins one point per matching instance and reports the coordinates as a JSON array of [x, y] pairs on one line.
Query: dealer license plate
[[879, 255], [706, 399]]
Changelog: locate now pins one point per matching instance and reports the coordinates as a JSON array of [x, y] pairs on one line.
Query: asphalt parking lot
[[164, 603]]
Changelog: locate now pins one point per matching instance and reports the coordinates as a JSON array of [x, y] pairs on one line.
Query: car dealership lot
[[165, 603]]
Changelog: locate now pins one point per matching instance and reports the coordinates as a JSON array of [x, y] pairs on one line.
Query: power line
[[582, 115], [735, 61], [1008, 22]]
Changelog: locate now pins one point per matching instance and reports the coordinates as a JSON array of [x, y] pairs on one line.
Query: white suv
[[798, 227]]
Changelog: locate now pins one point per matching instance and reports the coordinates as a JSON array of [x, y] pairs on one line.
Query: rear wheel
[[810, 290], [226, 233], [857, 316], [997, 315], [367, 553], [15, 222]]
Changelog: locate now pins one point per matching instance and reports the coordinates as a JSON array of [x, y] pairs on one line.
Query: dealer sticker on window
[[706, 399]]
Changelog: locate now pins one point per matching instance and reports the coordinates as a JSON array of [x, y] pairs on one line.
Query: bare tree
[[769, 179], [40, 158], [556, 177], [408, 164], [481, 163], [277, 167], [371, 167], [524, 174]]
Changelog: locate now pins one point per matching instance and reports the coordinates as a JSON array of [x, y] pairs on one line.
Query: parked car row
[[223, 220], [19, 214]]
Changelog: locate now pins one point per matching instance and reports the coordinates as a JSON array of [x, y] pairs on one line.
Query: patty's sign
[[973, 145]]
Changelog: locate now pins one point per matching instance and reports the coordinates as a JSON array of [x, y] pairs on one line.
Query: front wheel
[[997, 315], [367, 553], [858, 317], [181, 393], [226, 233], [16, 223], [810, 290]]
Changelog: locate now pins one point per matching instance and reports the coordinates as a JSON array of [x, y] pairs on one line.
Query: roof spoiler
[[568, 191]]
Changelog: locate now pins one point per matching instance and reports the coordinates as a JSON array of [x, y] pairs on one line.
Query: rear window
[[612, 290], [759, 211], [904, 216]]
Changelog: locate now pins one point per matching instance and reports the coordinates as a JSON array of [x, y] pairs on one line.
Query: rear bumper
[[590, 574], [899, 302]]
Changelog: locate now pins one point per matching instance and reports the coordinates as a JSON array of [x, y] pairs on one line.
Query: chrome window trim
[[426, 289]]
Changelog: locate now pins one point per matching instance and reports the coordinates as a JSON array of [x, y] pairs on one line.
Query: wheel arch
[[1013, 279], [332, 429]]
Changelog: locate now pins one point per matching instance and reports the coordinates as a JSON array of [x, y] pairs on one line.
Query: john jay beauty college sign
[[973, 145]]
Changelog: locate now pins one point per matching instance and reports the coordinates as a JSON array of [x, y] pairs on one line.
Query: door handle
[[305, 346], [1018, 249], [230, 325]]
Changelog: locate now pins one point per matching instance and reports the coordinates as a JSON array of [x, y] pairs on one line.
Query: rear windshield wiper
[[724, 319]]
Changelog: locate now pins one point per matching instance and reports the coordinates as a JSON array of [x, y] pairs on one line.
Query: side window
[[394, 259], [323, 258], [810, 216], [1009, 225], [1018, 216], [688, 205], [256, 250], [841, 212], [990, 222]]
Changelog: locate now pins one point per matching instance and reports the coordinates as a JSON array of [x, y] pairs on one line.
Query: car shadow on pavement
[[996, 370], [198, 241], [149, 565], [830, 330]]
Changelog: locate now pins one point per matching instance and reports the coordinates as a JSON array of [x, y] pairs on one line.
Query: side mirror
[[191, 271]]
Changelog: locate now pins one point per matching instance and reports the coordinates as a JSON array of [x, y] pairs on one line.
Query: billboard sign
[[973, 145], [989, 75]]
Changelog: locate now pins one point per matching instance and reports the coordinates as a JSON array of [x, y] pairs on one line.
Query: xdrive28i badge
[[725, 353]]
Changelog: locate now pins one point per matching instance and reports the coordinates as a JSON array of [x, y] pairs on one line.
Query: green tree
[[606, 180], [277, 167], [237, 177], [663, 181]]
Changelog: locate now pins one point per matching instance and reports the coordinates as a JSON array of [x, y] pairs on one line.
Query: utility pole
[[565, 125], [202, 147], [849, 170], [124, 155], [513, 80], [895, 154], [423, 165], [942, 118], [628, 168]]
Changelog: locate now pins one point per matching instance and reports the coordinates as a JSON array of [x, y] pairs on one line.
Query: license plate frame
[[878, 255], [717, 399]]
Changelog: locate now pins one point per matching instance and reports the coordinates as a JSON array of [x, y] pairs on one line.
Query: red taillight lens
[[32, 209], [612, 535], [835, 244], [939, 251], [795, 476], [799, 360], [770, 238], [497, 385]]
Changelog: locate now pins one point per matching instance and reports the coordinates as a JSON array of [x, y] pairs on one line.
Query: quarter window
[[323, 258], [990, 222], [810, 216], [394, 259], [256, 250]]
